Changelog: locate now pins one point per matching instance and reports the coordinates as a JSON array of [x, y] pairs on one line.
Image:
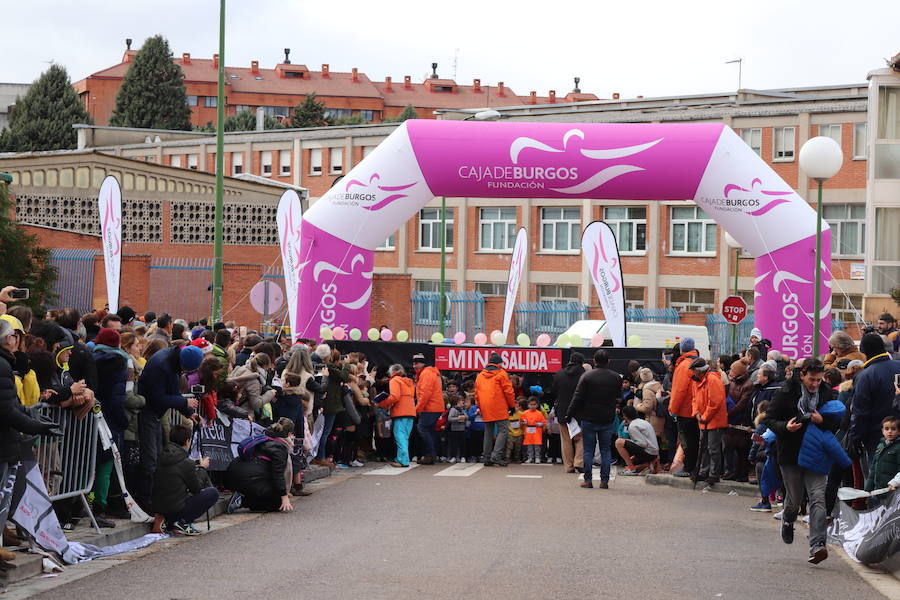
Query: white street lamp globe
[[487, 115], [821, 157], [732, 243]]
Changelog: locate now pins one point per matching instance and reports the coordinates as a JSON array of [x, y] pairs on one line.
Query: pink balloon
[[480, 339], [543, 340], [597, 340], [460, 337], [387, 335], [338, 333]]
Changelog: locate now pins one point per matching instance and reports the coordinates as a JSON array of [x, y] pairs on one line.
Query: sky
[[649, 47]]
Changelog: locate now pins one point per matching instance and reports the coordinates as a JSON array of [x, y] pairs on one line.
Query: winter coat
[[741, 391], [885, 465], [476, 421], [401, 398], [831, 358], [535, 421], [783, 408], [175, 478], [494, 393], [14, 418], [222, 355], [160, 383], [334, 398], [596, 397], [873, 399], [429, 397], [564, 382], [112, 374], [453, 418], [263, 476], [709, 401], [819, 448], [645, 403], [681, 401], [252, 383]]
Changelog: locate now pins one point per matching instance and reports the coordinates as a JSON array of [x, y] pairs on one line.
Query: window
[[433, 285], [266, 162], [239, 108], [630, 226], [703, 301], [859, 141], [210, 101], [847, 307], [337, 160], [692, 231], [192, 100], [388, 244], [237, 163], [783, 148], [557, 293], [498, 228], [832, 131], [337, 113], [315, 161], [367, 150], [284, 162], [491, 288], [430, 229], [560, 229], [634, 297], [848, 228], [176, 160], [753, 138], [889, 113], [887, 242], [368, 115], [192, 161], [277, 111]]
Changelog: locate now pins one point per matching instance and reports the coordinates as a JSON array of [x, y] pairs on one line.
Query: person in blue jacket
[[820, 449], [160, 385]]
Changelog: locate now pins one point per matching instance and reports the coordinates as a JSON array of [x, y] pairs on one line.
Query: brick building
[[278, 90]]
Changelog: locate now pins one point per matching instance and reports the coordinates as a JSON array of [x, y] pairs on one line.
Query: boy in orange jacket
[[711, 412], [534, 422]]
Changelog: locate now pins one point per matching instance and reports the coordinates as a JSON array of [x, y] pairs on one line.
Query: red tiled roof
[[464, 96]]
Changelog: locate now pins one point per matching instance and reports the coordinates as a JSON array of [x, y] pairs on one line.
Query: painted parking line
[[389, 470], [525, 476], [460, 470]]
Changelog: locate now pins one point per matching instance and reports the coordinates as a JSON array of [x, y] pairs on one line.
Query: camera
[[869, 329], [198, 390]]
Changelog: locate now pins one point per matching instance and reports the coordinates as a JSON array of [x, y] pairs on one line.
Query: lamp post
[[443, 297], [733, 243], [220, 181], [820, 158]]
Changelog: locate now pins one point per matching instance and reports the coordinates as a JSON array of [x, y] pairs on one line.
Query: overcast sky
[[647, 47]]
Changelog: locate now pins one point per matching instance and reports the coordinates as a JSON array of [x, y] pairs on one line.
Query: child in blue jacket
[[820, 449]]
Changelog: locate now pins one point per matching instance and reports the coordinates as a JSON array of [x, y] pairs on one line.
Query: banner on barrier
[[601, 255], [218, 440], [516, 266], [109, 206], [290, 218], [448, 358], [870, 536]]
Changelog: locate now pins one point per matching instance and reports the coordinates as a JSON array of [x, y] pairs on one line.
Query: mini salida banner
[[535, 360]]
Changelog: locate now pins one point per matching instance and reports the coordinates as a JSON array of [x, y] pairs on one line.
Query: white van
[[653, 335]]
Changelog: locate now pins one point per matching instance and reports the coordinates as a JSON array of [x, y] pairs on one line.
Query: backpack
[[247, 446]]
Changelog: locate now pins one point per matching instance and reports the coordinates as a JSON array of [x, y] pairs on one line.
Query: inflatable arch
[[705, 162]]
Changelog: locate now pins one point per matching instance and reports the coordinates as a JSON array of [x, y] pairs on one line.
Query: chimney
[[577, 90], [127, 43], [186, 58], [533, 98], [388, 86], [476, 86], [615, 95], [215, 61], [325, 72], [407, 82], [552, 96], [287, 56], [260, 119], [254, 67], [638, 96], [354, 75], [434, 74], [501, 90]]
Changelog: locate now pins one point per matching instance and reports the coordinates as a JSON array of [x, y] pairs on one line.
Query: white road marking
[[460, 470], [389, 470], [525, 476]]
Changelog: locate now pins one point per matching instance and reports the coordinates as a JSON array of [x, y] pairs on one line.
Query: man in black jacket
[[178, 492], [594, 405], [564, 382]]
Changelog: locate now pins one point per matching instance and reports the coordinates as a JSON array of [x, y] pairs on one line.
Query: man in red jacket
[[711, 414], [429, 406], [681, 407]]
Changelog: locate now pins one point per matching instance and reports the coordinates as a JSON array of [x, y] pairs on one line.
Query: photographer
[[179, 494]]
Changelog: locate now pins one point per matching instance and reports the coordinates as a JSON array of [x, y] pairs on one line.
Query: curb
[[723, 487]]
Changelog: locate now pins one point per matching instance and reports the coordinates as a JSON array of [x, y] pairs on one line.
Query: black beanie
[[577, 358], [872, 345], [495, 359], [127, 314]]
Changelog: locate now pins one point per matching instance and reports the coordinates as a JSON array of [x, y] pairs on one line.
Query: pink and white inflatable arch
[[707, 163]]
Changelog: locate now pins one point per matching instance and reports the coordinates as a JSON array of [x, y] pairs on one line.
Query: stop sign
[[734, 309]]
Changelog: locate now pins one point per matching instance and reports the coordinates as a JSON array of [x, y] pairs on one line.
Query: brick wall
[[391, 304]]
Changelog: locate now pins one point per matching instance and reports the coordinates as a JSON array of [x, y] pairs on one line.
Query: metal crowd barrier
[[68, 464]]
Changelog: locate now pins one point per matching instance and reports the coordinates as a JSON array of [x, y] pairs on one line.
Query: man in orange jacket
[[681, 406], [494, 395], [429, 406], [711, 412]]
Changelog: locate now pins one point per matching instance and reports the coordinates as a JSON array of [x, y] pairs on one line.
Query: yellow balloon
[[561, 341], [325, 333], [498, 339], [374, 334], [634, 341], [355, 334], [523, 339], [437, 337], [402, 335]]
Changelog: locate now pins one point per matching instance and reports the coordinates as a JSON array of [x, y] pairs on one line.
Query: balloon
[[562, 340], [355, 334], [460, 337], [402, 335], [543, 340], [480, 339], [338, 333], [497, 338], [523, 340], [597, 340], [373, 334], [386, 335], [634, 341], [325, 333], [437, 337]]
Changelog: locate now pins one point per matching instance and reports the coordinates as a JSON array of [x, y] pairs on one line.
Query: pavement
[[524, 531]]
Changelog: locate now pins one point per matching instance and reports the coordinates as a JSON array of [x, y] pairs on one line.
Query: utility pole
[[740, 64], [220, 176]]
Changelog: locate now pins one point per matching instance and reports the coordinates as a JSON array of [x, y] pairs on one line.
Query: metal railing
[[720, 333], [181, 287], [465, 312], [552, 318], [68, 463], [652, 315], [74, 285]]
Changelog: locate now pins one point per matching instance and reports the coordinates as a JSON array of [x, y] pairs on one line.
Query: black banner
[[218, 440], [870, 536]]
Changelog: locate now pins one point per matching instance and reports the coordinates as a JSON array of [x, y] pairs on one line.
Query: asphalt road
[[487, 536]]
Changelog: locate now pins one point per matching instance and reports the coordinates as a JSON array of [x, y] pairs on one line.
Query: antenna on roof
[[287, 56], [128, 43], [434, 74], [455, 62], [576, 90]]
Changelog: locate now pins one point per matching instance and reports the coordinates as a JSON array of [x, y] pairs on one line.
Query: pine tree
[[23, 262], [309, 113], [409, 112], [153, 95], [246, 121], [43, 118]]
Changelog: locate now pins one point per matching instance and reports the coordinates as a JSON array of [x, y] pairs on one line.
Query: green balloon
[[437, 337], [402, 335], [634, 341], [561, 341], [355, 334], [325, 333], [523, 339], [374, 334]]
